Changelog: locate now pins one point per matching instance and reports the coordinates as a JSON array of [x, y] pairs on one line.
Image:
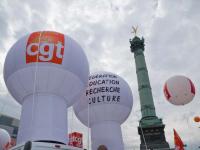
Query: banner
[[76, 139]]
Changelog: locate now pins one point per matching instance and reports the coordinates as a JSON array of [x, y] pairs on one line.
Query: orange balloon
[[197, 119]]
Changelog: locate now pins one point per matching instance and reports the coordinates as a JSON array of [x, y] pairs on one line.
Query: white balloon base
[[43, 118], [107, 133]]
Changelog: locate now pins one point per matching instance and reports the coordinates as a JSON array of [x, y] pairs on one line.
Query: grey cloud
[[171, 30]]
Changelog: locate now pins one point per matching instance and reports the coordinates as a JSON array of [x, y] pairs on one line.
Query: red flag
[[178, 142]]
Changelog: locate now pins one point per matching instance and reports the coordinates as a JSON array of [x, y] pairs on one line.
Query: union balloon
[[46, 72], [4, 139], [179, 90], [105, 105]]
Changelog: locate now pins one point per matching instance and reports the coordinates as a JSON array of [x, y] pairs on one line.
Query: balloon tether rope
[[35, 78], [143, 136], [72, 120], [88, 138]]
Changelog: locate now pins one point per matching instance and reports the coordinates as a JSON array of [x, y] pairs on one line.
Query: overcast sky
[[171, 29]]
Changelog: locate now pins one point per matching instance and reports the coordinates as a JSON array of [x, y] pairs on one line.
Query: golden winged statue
[[134, 30]]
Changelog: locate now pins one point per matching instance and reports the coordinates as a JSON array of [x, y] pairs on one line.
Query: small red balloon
[[197, 119]]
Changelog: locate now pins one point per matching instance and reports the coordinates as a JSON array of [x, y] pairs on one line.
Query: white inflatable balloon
[[179, 90], [4, 139], [45, 72], [109, 100]]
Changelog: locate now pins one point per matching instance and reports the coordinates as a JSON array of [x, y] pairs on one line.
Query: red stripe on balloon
[[166, 92], [192, 86]]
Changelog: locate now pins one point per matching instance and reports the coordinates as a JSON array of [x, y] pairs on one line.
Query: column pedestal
[[154, 138]]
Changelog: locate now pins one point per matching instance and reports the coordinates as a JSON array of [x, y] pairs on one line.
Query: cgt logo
[[76, 139], [45, 47]]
